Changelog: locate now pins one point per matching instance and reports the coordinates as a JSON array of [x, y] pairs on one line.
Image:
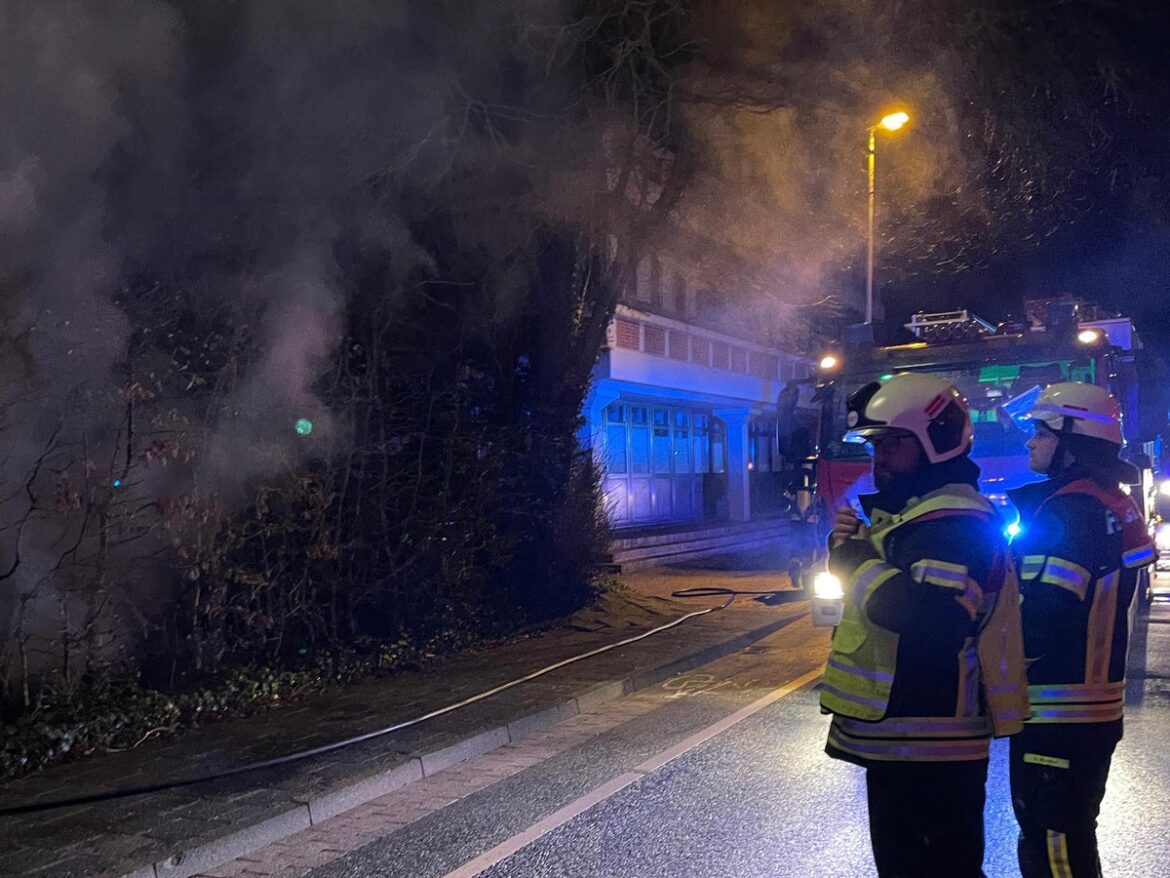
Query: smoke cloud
[[180, 181]]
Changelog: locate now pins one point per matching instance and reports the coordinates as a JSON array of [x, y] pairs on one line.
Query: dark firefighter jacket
[[904, 679], [1079, 551]]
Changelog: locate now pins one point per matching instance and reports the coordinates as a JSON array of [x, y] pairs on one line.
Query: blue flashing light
[[1013, 530]]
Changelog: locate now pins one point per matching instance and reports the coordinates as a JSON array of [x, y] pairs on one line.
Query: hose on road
[[299, 755]]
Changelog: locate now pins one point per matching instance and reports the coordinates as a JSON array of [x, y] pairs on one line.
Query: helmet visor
[[1022, 408], [860, 428]]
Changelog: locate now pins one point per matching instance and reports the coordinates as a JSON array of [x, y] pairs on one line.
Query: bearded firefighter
[[927, 662]]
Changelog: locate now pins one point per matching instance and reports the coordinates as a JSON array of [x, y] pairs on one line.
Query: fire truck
[[1000, 369]]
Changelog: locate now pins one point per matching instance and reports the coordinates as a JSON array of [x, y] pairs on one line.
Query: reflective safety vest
[[859, 675], [1088, 695]]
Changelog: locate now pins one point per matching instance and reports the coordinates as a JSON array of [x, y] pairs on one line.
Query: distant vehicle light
[[1089, 336], [1162, 538], [1125, 489], [828, 361], [1164, 488], [827, 586]]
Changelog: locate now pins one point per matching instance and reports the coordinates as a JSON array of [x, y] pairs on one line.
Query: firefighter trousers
[[926, 818], [1057, 796]]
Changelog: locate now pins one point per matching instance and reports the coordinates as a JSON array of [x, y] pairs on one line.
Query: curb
[[188, 863]]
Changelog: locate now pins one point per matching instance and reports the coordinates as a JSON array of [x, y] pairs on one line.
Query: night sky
[[1112, 246], [1119, 264]]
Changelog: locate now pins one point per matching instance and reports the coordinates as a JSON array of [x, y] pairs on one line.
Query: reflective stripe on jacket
[[990, 695], [1080, 678]]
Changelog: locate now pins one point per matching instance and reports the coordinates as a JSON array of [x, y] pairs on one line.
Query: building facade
[[682, 419]]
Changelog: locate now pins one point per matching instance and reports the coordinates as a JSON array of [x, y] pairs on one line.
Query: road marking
[[560, 817], [689, 686], [703, 735]]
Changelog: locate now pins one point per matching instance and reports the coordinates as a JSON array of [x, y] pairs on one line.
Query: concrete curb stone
[[461, 751], [186, 864], [220, 851], [362, 791]]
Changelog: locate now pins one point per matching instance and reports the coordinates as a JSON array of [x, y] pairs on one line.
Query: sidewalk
[[179, 833]]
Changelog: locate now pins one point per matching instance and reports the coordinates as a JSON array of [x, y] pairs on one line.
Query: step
[[628, 566], [638, 540], [688, 544]]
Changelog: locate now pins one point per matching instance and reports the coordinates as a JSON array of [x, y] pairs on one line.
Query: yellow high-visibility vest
[[863, 660]]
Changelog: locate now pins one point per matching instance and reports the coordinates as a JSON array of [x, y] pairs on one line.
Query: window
[[682, 442], [700, 350], [739, 360], [718, 435], [615, 449], [719, 355], [678, 345], [615, 439], [661, 443], [639, 441], [629, 334], [655, 340], [764, 366], [702, 442], [762, 445]]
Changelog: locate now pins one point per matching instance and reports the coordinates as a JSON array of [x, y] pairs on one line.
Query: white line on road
[[579, 806]]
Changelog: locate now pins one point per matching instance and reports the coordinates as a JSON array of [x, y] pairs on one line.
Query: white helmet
[[928, 406], [1071, 407]]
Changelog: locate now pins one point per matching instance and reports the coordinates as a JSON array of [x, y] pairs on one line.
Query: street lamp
[[892, 122]]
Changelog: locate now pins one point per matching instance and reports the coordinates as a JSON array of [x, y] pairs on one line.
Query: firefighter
[[1081, 546], [927, 662]]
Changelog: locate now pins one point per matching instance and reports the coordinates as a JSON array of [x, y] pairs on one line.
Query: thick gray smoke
[[148, 132], [220, 150], [174, 171]]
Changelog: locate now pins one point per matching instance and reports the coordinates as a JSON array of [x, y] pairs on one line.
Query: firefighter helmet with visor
[[929, 407], [1078, 409]]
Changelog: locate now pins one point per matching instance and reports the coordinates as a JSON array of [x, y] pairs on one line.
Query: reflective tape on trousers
[[917, 727], [1077, 713], [1077, 692], [910, 749]]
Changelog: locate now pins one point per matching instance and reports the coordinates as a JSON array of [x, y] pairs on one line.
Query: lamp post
[[892, 122]]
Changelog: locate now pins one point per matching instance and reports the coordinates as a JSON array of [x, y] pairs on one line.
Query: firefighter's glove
[[846, 526]]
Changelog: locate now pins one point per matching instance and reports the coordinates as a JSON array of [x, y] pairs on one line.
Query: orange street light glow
[[894, 121]]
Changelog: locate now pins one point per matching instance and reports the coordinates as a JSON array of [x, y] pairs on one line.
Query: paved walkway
[[184, 832]]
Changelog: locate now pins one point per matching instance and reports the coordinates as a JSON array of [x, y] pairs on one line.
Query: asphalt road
[[753, 798]]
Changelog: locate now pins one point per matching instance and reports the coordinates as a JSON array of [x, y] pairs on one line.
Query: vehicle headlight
[[1161, 538], [827, 586], [1164, 488]]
